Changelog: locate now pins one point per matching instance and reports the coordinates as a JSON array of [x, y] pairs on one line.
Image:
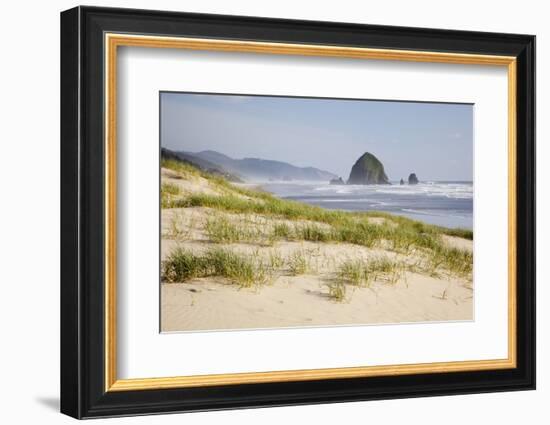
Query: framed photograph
[[261, 212]]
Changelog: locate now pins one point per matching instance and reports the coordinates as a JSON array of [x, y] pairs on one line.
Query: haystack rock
[[368, 170]]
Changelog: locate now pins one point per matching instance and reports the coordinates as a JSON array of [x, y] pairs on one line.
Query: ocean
[[448, 204]]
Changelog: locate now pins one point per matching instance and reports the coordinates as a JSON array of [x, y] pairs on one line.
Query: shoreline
[[449, 218], [293, 266]]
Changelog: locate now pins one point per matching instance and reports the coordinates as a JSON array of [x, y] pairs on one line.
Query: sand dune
[[298, 299]]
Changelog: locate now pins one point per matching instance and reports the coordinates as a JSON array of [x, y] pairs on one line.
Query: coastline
[[339, 283], [441, 203]]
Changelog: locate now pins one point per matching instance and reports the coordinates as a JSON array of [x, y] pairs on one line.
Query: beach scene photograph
[[281, 212]]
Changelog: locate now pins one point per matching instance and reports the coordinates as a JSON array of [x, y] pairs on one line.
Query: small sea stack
[[338, 181], [413, 179]]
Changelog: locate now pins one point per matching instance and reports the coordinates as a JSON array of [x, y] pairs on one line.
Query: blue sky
[[433, 140]]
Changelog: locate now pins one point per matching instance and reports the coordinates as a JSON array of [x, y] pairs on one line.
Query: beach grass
[[457, 261], [282, 231], [353, 272], [267, 204], [371, 229], [170, 189], [177, 229], [298, 263], [337, 291], [168, 193], [351, 225], [311, 232], [181, 167], [220, 230], [363, 272], [183, 265], [386, 270], [276, 260]]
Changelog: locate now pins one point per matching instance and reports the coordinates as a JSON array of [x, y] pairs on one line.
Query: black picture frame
[[83, 392]]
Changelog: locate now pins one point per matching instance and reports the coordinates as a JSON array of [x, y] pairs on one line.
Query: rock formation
[[413, 179], [337, 181], [401, 182], [368, 170]]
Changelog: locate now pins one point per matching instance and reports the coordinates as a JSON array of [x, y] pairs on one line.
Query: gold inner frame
[[113, 41]]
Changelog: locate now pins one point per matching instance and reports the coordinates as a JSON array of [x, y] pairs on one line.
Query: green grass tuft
[[282, 231], [337, 291], [170, 188], [386, 269], [353, 272], [297, 263], [182, 265], [177, 230], [276, 260], [457, 261], [364, 272], [168, 193], [311, 232], [221, 230]]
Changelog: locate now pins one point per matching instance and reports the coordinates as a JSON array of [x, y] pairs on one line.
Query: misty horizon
[[308, 166], [432, 140]]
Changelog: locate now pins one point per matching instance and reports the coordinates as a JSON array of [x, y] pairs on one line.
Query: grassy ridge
[[399, 235], [259, 202], [312, 223], [292, 210]]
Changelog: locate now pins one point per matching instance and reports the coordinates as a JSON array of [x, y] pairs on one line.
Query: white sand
[[302, 301]]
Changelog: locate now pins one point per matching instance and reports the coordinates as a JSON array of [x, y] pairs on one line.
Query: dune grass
[[178, 229], [170, 188], [180, 167], [353, 273], [363, 272], [168, 194], [351, 225], [386, 270], [456, 261], [395, 233], [189, 170], [183, 265], [221, 230], [311, 232], [267, 204], [298, 263], [282, 231], [337, 290], [276, 260], [402, 238]]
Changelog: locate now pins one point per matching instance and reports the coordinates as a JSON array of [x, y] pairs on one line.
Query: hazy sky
[[433, 140]]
